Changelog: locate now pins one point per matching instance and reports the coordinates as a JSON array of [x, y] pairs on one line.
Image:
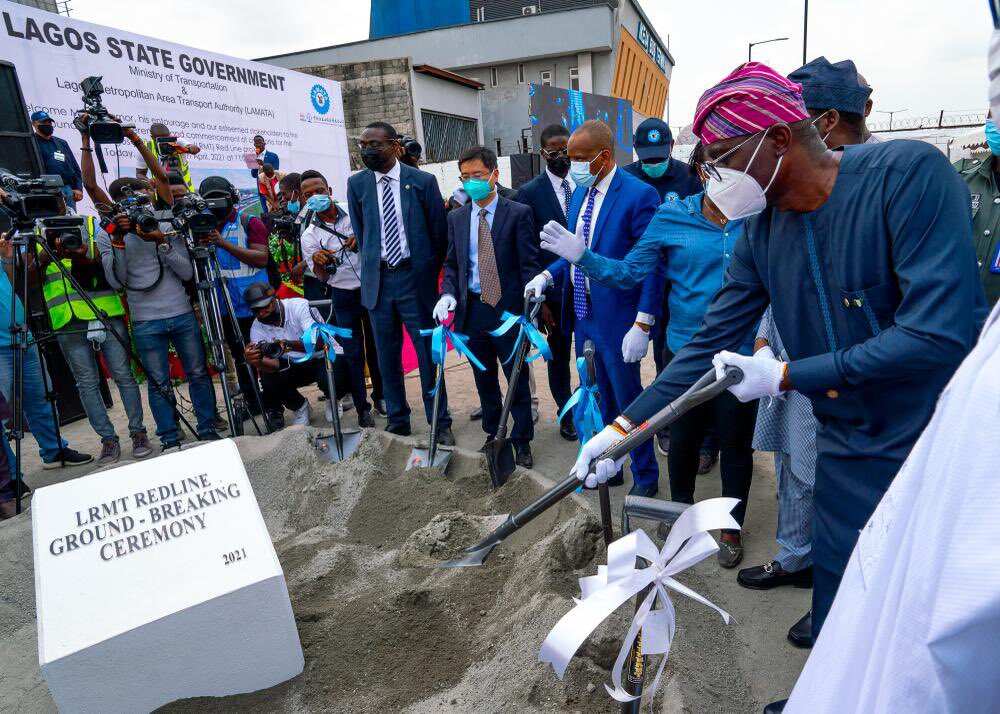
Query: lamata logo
[[320, 98]]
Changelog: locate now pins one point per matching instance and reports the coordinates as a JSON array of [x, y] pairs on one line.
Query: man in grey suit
[[399, 220]]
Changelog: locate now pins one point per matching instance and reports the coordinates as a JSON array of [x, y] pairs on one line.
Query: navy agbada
[[876, 297]]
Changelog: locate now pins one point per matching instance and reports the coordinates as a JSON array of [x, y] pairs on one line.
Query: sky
[[919, 55]]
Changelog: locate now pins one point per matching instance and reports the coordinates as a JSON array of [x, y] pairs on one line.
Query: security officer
[[980, 175]]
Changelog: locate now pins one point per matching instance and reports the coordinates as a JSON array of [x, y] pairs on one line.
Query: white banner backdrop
[[214, 101]]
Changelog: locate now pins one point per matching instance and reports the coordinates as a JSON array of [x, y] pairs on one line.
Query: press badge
[[58, 156], [995, 262]]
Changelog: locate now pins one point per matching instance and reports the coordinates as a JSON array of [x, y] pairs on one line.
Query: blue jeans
[[82, 360], [152, 340], [37, 411]]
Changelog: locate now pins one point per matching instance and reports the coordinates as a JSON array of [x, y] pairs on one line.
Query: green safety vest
[[62, 300], [182, 164]]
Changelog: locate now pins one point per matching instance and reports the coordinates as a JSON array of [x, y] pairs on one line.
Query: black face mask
[[46, 129], [559, 166], [375, 160], [271, 319]]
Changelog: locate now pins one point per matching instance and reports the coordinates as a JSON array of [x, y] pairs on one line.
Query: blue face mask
[[993, 137], [320, 203], [579, 171], [293, 206], [477, 189], [656, 170]]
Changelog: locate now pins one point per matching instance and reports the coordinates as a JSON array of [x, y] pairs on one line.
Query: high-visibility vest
[[64, 303], [182, 164]]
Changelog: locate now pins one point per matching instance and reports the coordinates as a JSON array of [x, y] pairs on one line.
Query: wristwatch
[[164, 247]]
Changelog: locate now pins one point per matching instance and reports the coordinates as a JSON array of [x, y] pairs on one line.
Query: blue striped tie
[[390, 225], [580, 307], [567, 195]]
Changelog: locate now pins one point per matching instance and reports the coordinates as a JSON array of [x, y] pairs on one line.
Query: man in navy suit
[[610, 211], [399, 221], [548, 196], [492, 254]]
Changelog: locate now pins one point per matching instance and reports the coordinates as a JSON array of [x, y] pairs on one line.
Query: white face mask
[[737, 194], [815, 123]]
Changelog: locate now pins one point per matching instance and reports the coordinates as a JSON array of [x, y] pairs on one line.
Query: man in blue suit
[[492, 254], [399, 220], [548, 195], [610, 210]]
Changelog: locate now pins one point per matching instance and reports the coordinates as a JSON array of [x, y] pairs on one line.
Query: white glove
[[445, 305], [557, 239], [605, 468], [535, 289], [761, 374], [635, 345]]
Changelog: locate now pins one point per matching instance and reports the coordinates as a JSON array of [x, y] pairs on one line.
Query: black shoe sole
[[785, 581], [802, 644]]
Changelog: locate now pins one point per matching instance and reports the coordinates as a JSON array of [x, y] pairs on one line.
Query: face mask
[[993, 137], [273, 318], [816, 124], [293, 206], [580, 171], [477, 189], [46, 129], [656, 170], [373, 159], [559, 165], [320, 203], [737, 194]]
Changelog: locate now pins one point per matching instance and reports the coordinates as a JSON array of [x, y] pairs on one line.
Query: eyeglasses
[[376, 145], [555, 154], [709, 167]]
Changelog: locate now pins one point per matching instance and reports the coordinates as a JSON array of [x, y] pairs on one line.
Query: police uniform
[[985, 196]]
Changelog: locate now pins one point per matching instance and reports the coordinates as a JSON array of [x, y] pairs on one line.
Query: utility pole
[[750, 46], [805, 32], [891, 114]]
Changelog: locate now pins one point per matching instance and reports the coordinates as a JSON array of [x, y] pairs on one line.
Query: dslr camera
[[272, 350], [284, 224], [193, 214], [139, 208], [64, 233], [29, 199], [94, 117]]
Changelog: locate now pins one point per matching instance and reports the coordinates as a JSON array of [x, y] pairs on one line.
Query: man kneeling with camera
[[276, 342]]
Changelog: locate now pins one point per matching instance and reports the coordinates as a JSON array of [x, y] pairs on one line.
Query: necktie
[[489, 277], [580, 307], [390, 225], [567, 196]]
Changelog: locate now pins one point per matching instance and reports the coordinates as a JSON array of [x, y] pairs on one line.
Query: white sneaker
[[329, 412], [301, 415]]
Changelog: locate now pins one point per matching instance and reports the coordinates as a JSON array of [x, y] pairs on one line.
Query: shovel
[[603, 494], [498, 450], [341, 444], [700, 392], [433, 457]]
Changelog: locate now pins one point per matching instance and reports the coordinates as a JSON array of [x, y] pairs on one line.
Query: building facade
[[605, 47]]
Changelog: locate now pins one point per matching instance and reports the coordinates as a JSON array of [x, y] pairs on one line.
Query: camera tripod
[[25, 242], [209, 277]]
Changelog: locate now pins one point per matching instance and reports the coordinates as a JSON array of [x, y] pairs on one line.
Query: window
[[447, 136], [520, 74], [546, 77], [480, 15], [574, 77], [494, 77]]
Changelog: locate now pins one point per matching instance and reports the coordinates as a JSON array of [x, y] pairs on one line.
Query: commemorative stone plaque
[[158, 581]]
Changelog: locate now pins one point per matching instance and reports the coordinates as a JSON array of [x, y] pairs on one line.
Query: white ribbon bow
[[620, 580]]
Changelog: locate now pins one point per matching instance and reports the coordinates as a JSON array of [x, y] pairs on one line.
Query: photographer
[[286, 266], [81, 334], [241, 249], [329, 246], [276, 340], [169, 151]]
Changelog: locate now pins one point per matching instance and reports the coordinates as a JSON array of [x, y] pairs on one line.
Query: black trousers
[[281, 388], [734, 423], [371, 355], [560, 339], [480, 318], [347, 311], [662, 355]]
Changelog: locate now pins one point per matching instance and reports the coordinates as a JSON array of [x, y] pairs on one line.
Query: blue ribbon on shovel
[[326, 334], [529, 331], [587, 416], [440, 336]]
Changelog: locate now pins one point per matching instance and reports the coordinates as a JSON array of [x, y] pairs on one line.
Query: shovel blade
[[420, 458], [327, 446], [471, 557], [499, 461]]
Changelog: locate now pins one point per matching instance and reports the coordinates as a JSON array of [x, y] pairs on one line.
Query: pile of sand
[[382, 629]]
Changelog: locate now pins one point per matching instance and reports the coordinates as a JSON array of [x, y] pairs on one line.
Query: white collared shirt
[[393, 175], [491, 210], [315, 238], [557, 187]]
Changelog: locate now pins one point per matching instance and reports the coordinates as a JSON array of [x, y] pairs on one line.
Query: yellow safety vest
[[62, 300], [182, 163]]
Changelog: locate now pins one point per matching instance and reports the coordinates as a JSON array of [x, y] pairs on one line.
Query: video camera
[[194, 214], [64, 232], [29, 199], [166, 145], [94, 117], [138, 206], [284, 223], [272, 350], [411, 148]]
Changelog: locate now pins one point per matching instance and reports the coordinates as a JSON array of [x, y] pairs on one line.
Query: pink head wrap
[[752, 98]]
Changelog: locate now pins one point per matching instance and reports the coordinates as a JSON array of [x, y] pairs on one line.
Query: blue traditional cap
[[832, 85], [653, 139]]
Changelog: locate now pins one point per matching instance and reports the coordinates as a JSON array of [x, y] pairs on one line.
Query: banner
[[216, 102]]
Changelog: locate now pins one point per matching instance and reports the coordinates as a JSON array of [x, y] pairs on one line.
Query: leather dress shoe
[[801, 634], [399, 429], [637, 490], [445, 437], [706, 461], [366, 420], [776, 707], [522, 456], [730, 549], [772, 575], [568, 431]]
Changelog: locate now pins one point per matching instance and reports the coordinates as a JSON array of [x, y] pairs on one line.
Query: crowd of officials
[[843, 274]]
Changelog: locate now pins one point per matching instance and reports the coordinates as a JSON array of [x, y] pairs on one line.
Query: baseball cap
[[258, 295], [40, 116], [653, 139]]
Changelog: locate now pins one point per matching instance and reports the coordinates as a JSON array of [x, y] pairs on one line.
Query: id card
[[58, 156]]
